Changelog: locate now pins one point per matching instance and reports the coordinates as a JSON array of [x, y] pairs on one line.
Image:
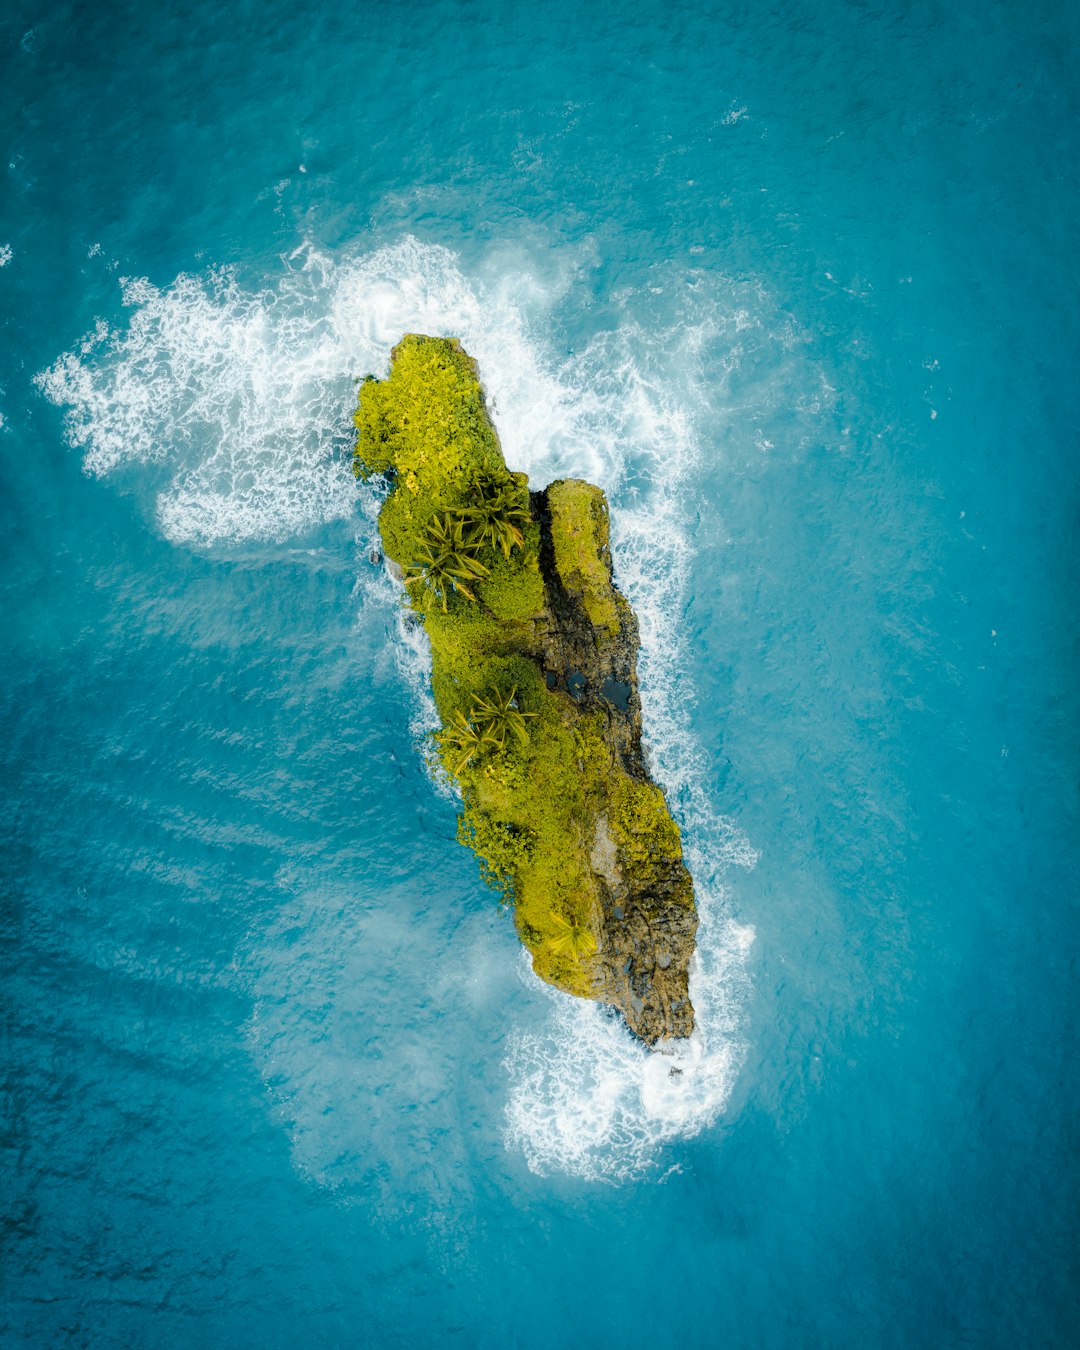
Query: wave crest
[[244, 397]]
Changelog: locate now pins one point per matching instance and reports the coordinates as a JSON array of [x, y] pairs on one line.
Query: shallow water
[[797, 288]]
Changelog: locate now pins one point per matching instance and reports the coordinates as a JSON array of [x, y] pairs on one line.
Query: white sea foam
[[585, 1097], [244, 397], [6, 254]]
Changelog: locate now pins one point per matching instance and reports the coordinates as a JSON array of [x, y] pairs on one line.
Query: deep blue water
[[798, 285]]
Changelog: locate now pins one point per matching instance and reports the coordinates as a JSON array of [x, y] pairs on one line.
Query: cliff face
[[588, 651], [534, 675]]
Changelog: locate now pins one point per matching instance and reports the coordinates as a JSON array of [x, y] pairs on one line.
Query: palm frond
[[497, 514], [446, 562], [492, 721], [572, 938]]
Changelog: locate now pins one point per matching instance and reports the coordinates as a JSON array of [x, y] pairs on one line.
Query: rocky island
[[534, 676]]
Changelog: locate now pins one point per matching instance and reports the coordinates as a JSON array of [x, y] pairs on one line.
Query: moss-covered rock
[[533, 653], [579, 538]]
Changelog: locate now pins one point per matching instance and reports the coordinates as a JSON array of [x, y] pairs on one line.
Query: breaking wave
[[244, 398]]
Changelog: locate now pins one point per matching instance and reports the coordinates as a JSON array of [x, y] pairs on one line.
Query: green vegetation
[[494, 723], [498, 514], [535, 770], [447, 562], [578, 521], [571, 938], [642, 826]]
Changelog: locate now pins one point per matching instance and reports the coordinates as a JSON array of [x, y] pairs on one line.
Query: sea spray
[[242, 398]]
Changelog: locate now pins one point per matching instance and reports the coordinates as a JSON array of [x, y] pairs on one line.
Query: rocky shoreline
[[647, 924]]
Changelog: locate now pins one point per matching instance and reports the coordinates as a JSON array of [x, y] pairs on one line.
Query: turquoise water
[[798, 286]]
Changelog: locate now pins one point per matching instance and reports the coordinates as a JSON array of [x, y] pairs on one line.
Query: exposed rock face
[[588, 650]]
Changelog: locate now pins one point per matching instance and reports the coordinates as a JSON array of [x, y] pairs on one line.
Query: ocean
[[797, 286]]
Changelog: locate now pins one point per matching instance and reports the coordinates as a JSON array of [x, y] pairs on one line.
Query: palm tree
[[492, 721], [446, 563], [572, 937], [496, 514], [498, 718], [464, 741]]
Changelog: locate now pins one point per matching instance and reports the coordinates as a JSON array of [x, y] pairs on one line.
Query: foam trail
[[244, 398], [586, 1098]]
